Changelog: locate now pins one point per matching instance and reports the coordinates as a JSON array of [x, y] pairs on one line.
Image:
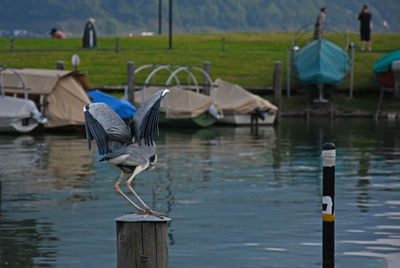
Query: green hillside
[[121, 17]]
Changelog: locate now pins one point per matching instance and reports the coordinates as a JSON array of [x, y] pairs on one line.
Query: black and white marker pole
[[328, 205]]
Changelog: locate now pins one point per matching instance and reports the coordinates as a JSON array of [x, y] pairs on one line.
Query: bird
[[130, 147]]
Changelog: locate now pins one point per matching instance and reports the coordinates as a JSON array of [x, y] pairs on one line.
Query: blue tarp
[[321, 62], [123, 108]]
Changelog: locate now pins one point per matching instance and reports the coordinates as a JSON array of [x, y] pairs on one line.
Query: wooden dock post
[[142, 241], [60, 65], [207, 69], [12, 45], [352, 70], [131, 82], [328, 205], [117, 48], [170, 24], [277, 85], [288, 67]]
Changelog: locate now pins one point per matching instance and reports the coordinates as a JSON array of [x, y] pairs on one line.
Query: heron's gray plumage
[[122, 145], [144, 125], [128, 158], [104, 125]]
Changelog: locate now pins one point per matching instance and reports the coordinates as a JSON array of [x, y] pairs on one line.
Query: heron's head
[[165, 91], [153, 161]]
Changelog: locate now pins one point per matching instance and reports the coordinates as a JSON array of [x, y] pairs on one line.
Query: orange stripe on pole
[[328, 217]]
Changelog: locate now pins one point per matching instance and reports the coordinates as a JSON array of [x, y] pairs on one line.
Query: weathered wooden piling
[[206, 83], [288, 67], [131, 81], [117, 48], [254, 123], [142, 241], [12, 45], [277, 85], [60, 65], [352, 45], [170, 24], [328, 205], [159, 17]]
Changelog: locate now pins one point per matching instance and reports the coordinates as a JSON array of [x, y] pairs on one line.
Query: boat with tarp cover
[[321, 63], [319, 56], [17, 115], [241, 107], [387, 68], [183, 108]]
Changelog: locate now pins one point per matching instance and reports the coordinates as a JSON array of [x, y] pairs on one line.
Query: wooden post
[[117, 49], [328, 205], [206, 83], [223, 44], [352, 70], [277, 85], [131, 82], [60, 65], [142, 241], [288, 66], [170, 24], [254, 123], [159, 16], [12, 45]]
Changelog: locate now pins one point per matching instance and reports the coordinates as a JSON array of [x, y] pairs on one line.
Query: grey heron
[[129, 147]]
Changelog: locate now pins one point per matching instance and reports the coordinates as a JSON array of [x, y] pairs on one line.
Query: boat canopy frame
[[3, 68], [174, 70]]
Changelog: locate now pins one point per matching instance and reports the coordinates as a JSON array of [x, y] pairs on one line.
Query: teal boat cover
[[383, 64], [321, 62]]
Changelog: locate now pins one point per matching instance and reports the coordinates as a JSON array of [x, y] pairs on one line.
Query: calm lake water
[[236, 198]]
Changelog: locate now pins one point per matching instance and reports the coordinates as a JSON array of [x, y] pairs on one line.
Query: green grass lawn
[[248, 58]]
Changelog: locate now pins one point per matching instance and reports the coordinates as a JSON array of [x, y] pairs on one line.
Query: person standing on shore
[[319, 25], [365, 27]]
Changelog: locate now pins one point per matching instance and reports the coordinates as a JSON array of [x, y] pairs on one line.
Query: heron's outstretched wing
[[145, 120], [105, 126]]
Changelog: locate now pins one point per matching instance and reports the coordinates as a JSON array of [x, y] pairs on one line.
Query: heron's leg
[[137, 170], [116, 187], [128, 184]]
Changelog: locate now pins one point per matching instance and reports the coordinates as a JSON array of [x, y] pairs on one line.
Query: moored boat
[[387, 68], [183, 108], [17, 115], [58, 94], [241, 107], [320, 63]]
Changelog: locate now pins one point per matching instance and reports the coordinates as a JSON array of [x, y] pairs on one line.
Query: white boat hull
[[17, 115], [17, 126], [245, 119]]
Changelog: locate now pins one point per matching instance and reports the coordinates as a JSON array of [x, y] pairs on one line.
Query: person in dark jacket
[[365, 27]]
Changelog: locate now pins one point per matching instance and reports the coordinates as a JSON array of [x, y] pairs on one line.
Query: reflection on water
[[238, 197], [33, 170]]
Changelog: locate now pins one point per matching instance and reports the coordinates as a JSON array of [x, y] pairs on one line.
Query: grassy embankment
[[248, 60]]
